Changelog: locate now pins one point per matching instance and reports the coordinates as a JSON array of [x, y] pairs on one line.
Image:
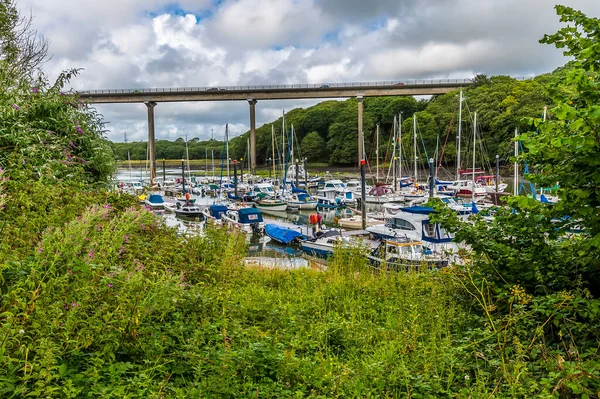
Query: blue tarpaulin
[[282, 235], [217, 211], [155, 199], [250, 215]]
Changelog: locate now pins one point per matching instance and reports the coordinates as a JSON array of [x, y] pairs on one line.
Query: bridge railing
[[324, 86]]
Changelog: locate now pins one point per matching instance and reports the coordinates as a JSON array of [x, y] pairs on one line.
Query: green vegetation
[[538, 263], [100, 299]]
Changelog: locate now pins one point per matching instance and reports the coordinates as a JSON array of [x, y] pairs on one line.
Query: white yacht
[[335, 189], [412, 223]]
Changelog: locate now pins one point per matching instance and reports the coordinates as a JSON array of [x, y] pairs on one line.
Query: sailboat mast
[[516, 177], [400, 145], [394, 152], [212, 156], [474, 143], [227, 147], [460, 101], [377, 154], [437, 145], [283, 146], [187, 154], [273, 150], [292, 144], [415, 145], [393, 149]]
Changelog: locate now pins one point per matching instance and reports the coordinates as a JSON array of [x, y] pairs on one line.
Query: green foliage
[[53, 133], [534, 268], [313, 147]]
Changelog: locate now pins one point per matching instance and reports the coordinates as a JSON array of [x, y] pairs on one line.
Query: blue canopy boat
[[214, 212], [249, 220], [283, 235], [155, 201]]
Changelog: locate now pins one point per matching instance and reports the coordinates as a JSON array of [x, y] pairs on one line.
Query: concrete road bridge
[[252, 94]]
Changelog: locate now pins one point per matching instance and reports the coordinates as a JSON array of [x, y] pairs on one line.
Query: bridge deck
[[275, 92]]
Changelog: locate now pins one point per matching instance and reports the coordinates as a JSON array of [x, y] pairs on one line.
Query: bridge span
[[252, 94]]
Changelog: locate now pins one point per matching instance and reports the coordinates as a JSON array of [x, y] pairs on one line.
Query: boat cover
[[282, 234], [296, 190], [155, 199], [250, 215], [217, 211], [233, 197], [303, 197], [418, 210]]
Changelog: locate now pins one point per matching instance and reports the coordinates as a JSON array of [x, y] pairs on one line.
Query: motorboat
[[404, 254], [489, 184], [185, 199], [270, 203], [301, 201], [383, 193], [169, 207], [283, 235], [155, 201], [248, 220], [413, 223], [467, 189], [323, 244], [355, 222], [262, 190], [329, 203], [189, 210], [214, 212], [334, 189], [355, 186]]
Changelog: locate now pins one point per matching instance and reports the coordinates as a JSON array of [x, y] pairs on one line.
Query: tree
[[313, 147], [535, 266], [22, 49]]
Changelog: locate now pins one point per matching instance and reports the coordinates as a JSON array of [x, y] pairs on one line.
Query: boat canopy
[[155, 199], [282, 234], [419, 210], [217, 211], [250, 215], [303, 197], [296, 190], [233, 197]]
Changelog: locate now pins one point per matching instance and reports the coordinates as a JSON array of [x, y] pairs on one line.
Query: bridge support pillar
[[252, 103], [151, 147], [360, 128]]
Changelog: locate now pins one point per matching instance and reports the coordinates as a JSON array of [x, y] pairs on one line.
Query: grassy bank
[[112, 304]]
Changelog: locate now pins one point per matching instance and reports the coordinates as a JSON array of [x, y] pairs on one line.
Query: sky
[[180, 43]]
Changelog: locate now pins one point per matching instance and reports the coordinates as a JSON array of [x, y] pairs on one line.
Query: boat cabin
[[217, 211]]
